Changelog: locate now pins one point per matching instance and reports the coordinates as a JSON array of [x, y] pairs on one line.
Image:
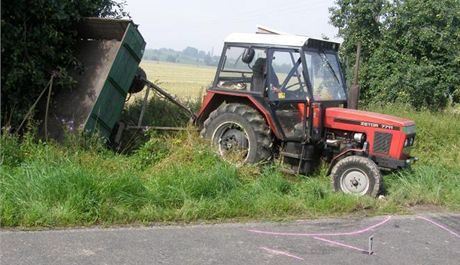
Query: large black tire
[[357, 175], [244, 127]]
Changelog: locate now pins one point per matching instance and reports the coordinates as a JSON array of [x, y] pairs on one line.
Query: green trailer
[[109, 53]]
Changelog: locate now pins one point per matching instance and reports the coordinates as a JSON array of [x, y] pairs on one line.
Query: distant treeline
[[189, 55]]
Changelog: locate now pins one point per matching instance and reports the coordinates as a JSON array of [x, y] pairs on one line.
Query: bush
[[158, 112], [38, 38], [409, 53]]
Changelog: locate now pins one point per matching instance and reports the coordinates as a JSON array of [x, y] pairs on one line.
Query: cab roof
[[276, 40]]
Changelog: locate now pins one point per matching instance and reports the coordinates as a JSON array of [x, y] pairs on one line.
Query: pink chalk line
[[323, 234], [279, 252], [439, 225], [336, 243]]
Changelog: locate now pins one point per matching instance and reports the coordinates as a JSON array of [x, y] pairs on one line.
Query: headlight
[[409, 129]]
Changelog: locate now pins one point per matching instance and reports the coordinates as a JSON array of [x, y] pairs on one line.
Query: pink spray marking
[[439, 225], [279, 252], [323, 234], [336, 243]]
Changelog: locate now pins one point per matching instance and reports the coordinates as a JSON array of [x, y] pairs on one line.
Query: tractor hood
[[340, 118]]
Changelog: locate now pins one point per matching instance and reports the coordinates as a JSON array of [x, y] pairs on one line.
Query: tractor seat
[[258, 75]]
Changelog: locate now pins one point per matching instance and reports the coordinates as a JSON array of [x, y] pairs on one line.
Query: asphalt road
[[423, 239]]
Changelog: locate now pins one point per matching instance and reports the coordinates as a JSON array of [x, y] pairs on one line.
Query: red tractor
[[285, 96]]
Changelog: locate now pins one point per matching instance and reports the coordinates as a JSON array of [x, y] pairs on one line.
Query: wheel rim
[[354, 181], [232, 142]]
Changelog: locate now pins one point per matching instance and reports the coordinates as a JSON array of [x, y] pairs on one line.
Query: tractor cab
[[286, 74]]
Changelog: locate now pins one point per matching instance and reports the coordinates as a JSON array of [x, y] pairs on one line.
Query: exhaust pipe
[[353, 94]]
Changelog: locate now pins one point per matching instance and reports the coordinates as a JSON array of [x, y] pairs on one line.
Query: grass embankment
[[179, 179]]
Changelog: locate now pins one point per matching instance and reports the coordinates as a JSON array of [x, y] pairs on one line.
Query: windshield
[[325, 78]]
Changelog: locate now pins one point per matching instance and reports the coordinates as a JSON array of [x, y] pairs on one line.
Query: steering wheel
[[293, 94], [295, 84], [298, 90]]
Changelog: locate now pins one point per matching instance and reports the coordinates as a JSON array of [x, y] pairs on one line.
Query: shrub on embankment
[[177, 178], [38, 41]]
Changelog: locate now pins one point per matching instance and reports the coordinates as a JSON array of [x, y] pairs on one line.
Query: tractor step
[[287, 168]]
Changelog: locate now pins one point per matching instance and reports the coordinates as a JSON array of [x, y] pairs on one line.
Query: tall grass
[[178, 178], [435, 179], [157, 112]]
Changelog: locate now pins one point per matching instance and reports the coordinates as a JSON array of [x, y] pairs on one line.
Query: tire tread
[[254, 118]]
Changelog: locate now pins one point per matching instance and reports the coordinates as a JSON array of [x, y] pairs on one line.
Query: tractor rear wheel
[[239, 133], [357, 175]]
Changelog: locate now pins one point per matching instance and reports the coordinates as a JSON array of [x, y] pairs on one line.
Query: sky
[[204, 24]]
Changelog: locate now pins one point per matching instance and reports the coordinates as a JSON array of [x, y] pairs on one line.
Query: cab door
[[287, 92]]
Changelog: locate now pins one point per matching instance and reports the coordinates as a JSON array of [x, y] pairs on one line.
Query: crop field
[[184, 81], [178, 178]]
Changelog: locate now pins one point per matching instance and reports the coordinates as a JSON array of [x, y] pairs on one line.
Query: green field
[[182, 80], [177, 178]]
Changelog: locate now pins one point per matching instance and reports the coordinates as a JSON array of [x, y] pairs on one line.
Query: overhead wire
[[280, 13], [284, 7]]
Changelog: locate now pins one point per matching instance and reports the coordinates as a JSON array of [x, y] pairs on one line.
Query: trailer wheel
[[357, 175], [239, 134], [138, 84]]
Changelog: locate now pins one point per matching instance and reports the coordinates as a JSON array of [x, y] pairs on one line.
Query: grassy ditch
[[177, 178]]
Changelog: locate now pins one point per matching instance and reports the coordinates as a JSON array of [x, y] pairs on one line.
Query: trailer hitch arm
[[168, 96]]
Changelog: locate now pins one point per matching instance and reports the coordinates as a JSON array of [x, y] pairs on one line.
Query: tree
[[39, 37], [413, 58], [358, 21], [172, 59], [190, 51]]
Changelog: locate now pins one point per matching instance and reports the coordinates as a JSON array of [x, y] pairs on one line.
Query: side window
[[286, 78], [237, 74], [233, 59]]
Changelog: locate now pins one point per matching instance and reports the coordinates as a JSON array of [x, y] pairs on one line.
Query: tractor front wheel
[[239, 133], [357, 175]]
